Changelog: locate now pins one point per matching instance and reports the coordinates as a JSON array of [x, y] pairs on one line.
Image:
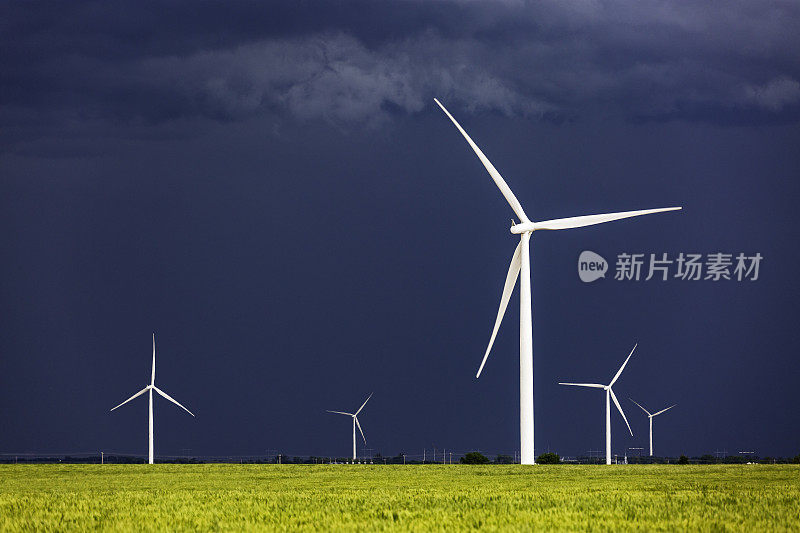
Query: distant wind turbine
[[355, 423], [609, 394], [150, 388], [520, 262], [650, 416]]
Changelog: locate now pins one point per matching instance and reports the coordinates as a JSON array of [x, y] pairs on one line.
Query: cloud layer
[[364, 62]]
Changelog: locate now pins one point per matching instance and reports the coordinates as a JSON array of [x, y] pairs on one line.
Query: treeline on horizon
[[469, 458]]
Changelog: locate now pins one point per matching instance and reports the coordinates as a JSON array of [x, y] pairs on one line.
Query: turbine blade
[[340, 413], [153, 374], [363, 404], [511, 280], [170, 398], [616, 402], [359, 429], [132, 397], [498, 179], [616, 376], [640, 407], [590, 220], [667, 409], [593, 385]]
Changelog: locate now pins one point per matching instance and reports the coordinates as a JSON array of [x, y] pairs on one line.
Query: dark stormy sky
[[271, 189]]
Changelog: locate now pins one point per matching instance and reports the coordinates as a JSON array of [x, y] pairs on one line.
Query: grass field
[[419, 498]]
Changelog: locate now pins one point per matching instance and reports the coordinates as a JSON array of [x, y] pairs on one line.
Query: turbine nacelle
[[524, 227]]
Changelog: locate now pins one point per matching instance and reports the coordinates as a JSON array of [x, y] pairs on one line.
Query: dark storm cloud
[[112, 63], [212, 172]]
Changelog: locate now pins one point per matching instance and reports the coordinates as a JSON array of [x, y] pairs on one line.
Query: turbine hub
[[523, 227]]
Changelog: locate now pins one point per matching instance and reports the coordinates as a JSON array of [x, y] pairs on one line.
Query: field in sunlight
[[414, 497]]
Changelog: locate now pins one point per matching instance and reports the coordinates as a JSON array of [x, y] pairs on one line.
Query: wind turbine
[[650, 416], [150, 388], [609, 394], [520, 263], [355, 423]]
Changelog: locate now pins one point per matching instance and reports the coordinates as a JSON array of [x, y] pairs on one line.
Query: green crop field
[[418, 498]]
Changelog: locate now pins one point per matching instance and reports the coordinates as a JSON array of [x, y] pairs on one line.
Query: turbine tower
[[650, 416], [521, 264], [150, 388], [609, 396], [355, 423]]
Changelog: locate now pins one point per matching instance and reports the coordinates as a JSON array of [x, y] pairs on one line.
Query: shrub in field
[[504, 460], [683, 460], [474, 458], [548, 459]]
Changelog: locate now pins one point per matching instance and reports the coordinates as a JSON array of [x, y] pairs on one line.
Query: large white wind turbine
[[150, 388], [355, 423], [650, 417], [520, 263], [609, 395]]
